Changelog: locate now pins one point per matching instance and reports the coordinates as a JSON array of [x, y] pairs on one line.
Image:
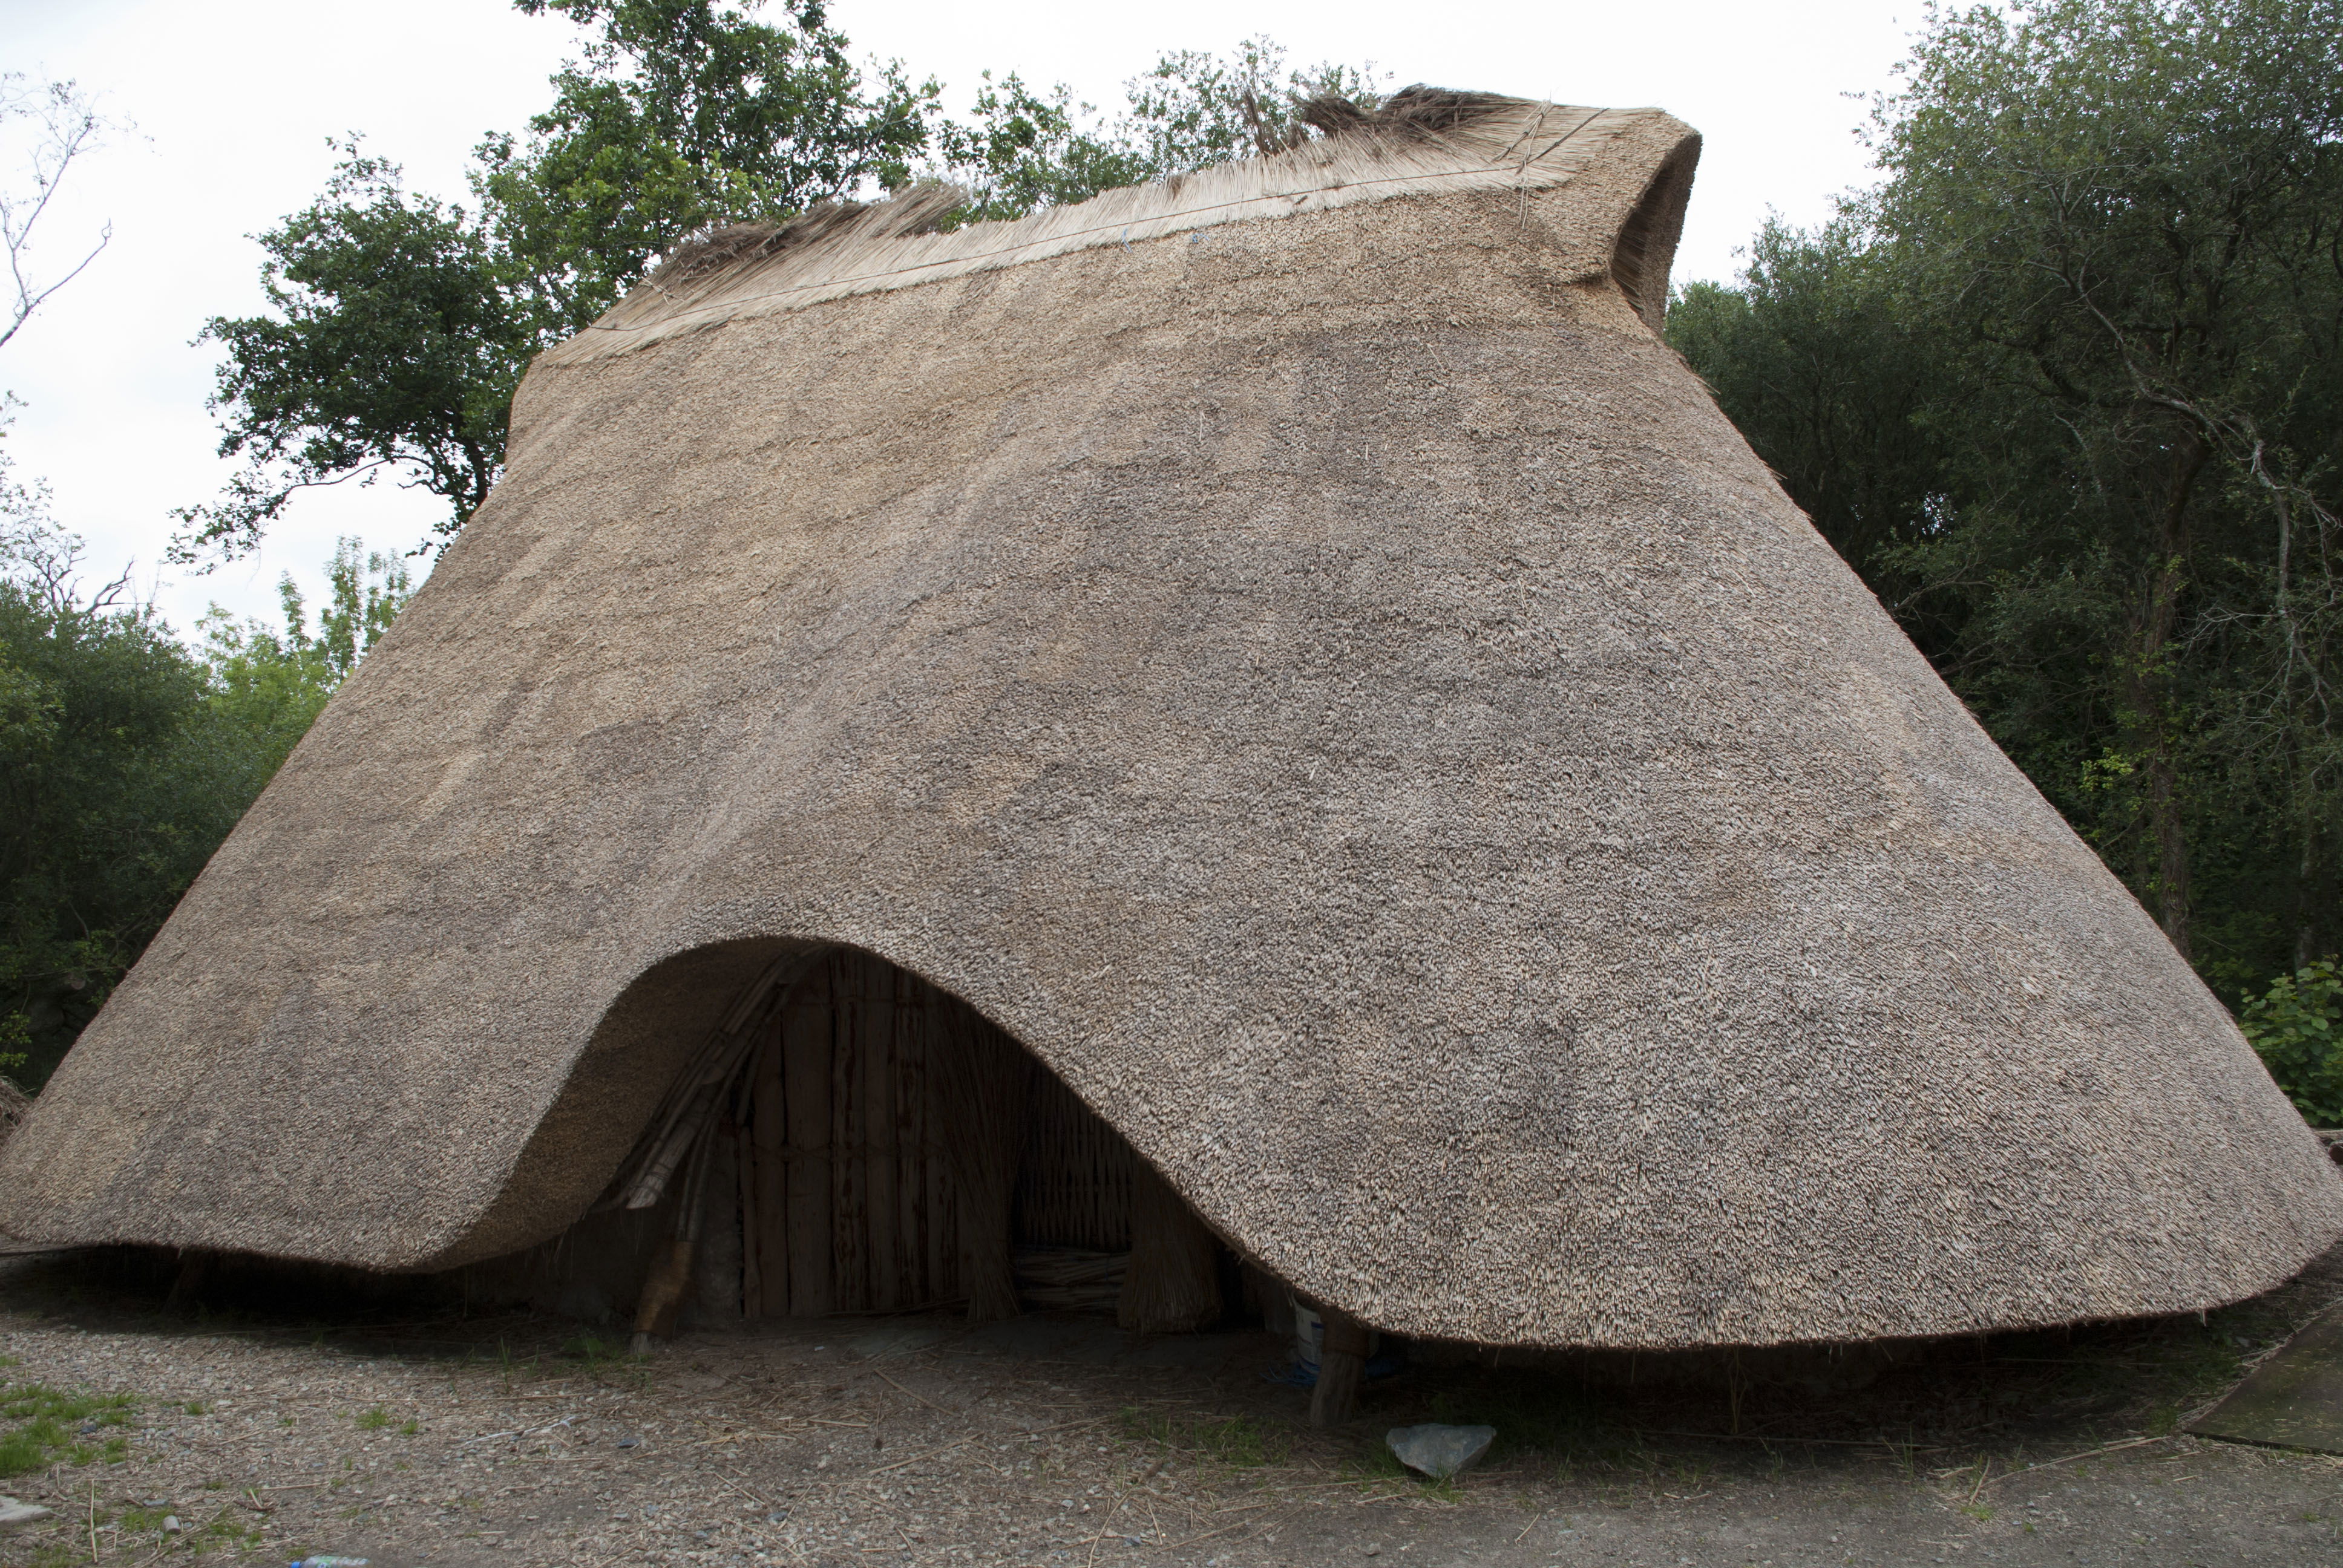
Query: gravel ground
[[1057, 1440]]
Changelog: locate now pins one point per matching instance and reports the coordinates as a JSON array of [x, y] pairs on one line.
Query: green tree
[[2297, 1025], [106, 810], [2067, 388], [1195, 109], [125, 759], [399, 326], [1025, 151], [396, 337], [682, 118], [269, 683]]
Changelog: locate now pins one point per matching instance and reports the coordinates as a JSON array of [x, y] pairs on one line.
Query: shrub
[[2297, 1025]]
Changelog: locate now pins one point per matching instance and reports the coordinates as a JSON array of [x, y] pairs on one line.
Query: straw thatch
[[1294, 649]]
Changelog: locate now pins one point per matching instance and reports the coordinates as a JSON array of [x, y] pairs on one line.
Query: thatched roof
[[1294, 647]]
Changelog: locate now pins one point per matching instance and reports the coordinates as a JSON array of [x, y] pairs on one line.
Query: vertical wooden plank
[[983, 1072], [942, 1190], [769, 1172], [850, 1156], [806, 1070], [910, 1155], [878, 1029], [744, 1172], [1342, 1367]]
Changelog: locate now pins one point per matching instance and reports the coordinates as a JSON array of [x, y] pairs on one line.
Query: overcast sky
[[234, 99]]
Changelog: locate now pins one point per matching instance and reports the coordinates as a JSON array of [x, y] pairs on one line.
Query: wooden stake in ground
[[1342, 1367]]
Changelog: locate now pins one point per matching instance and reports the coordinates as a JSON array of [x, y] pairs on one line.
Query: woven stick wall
[[849, 1196], [984, 1076], [1074, 1181], [895, 1150]]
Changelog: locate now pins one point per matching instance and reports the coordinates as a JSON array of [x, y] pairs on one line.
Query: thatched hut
[[1269, 711]]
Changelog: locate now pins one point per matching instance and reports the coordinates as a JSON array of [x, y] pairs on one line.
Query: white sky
[[234, 99]]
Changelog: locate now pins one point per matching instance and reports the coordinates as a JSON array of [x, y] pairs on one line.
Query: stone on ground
[[1440, 1452]]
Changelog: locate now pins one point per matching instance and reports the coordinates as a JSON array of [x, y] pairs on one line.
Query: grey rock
[[15, 1512], [1440, 1452]]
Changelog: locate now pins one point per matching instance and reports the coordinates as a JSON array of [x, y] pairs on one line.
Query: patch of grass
[[596, 1353], [1533, 1415], [48, 1423], [408, 1428], [194, 1407], [1239, 1441], [224, 1532], [373, 1419]]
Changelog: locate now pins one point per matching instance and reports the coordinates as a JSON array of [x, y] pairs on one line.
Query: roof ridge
[[1517, 144]]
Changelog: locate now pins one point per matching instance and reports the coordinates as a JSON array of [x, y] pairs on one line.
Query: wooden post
[[662, 1296], [944, 1180], [980, 1073], [769, 1168], [911, 1144], [849, 1154], [805, 1067], [1342, 1367], [744, 1175], [881, 1216]]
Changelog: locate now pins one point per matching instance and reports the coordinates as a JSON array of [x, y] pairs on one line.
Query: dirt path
[[522, 1441]]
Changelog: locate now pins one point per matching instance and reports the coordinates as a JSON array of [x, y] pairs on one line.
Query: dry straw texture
[[1295, 649]]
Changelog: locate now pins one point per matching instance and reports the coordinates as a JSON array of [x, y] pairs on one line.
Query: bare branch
[[66, 126]]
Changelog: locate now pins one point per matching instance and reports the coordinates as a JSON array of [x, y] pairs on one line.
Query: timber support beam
[[1342, 1367]]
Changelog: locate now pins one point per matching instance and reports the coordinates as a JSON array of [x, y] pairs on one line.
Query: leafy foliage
[[1193, 109], [2297, 1025], [1028, 151], [399, 326], [268, 684], [125, 759], [394, 347], [2068, 389], [682, 118], [108, 805]]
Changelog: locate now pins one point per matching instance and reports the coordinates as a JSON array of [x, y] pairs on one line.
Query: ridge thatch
[[1294, 649], [1424, 141]]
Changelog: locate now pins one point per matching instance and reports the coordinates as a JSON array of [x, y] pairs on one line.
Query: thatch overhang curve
[[1321, 674]]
